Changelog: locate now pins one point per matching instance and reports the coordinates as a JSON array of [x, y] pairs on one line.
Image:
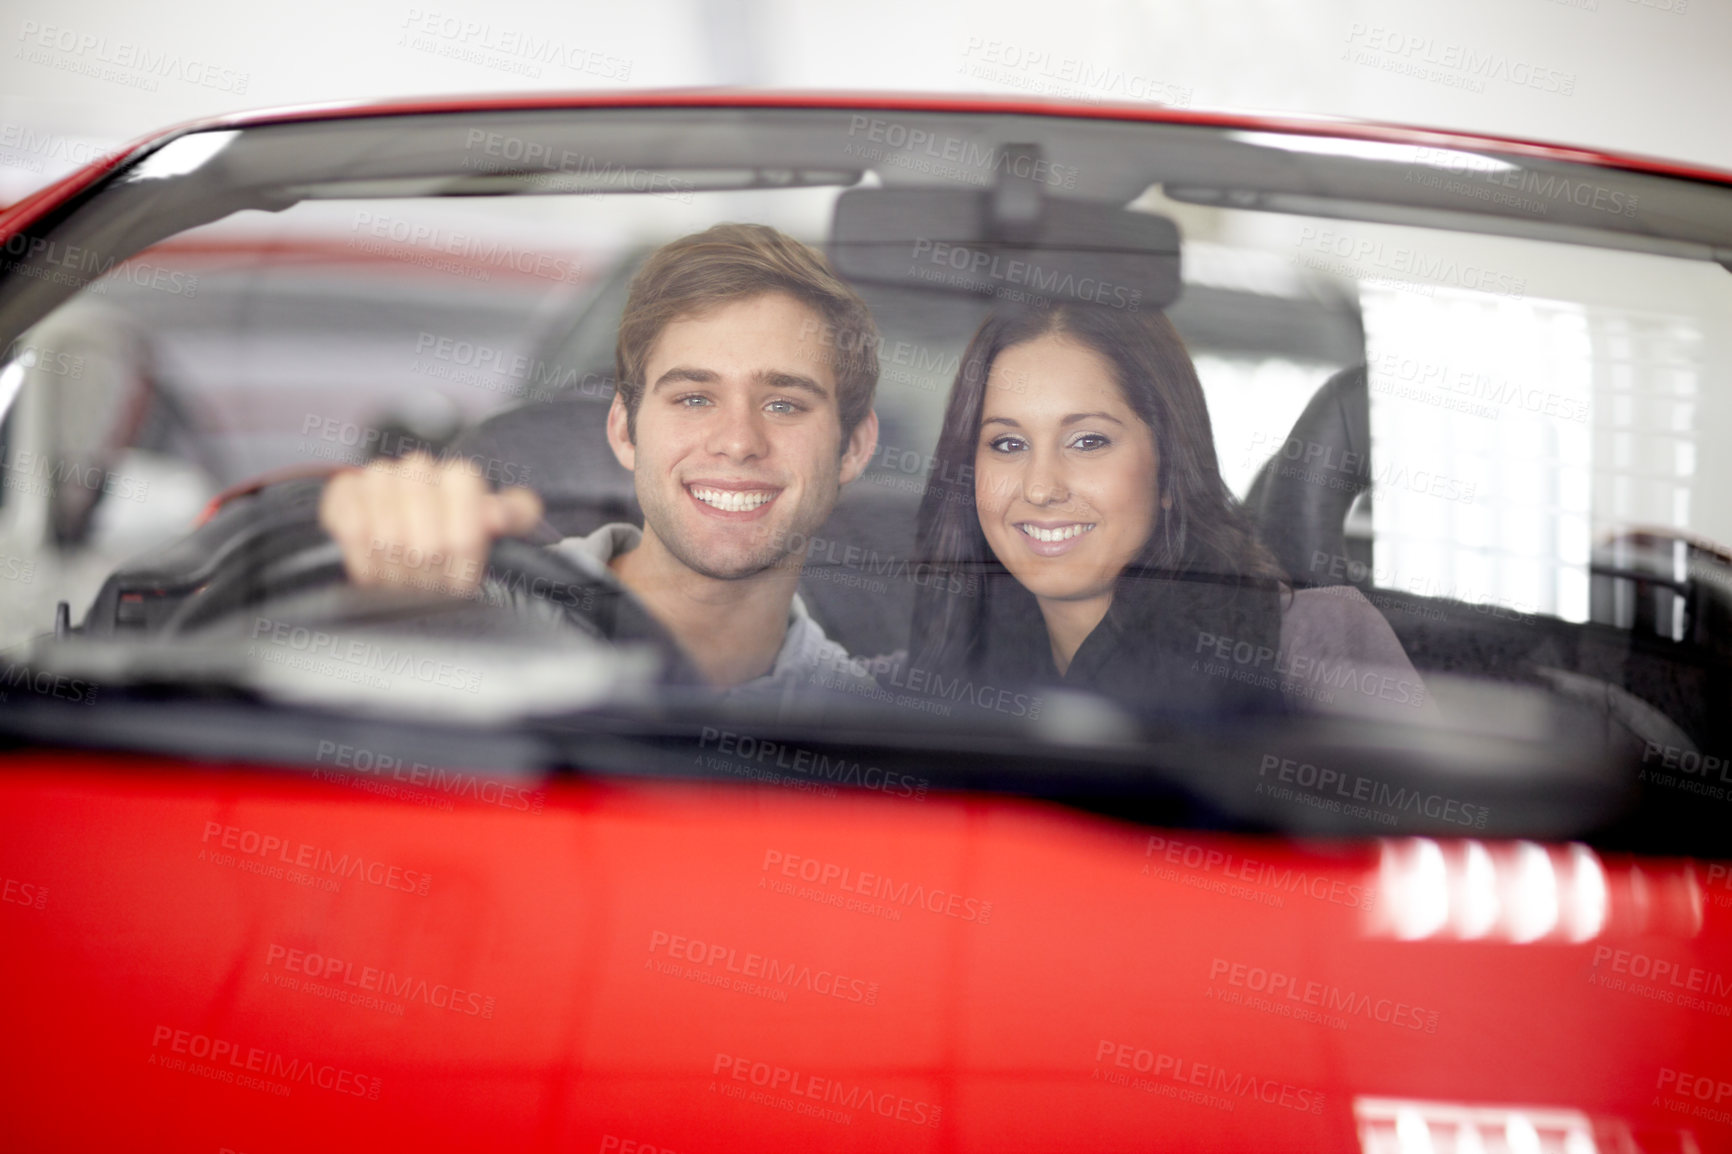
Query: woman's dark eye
[[1005, 444], [1090, 441]]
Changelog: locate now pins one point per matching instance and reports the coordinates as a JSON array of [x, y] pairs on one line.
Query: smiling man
[[740, 416]]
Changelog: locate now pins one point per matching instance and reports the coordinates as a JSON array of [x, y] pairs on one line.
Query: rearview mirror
[[1041, 252]]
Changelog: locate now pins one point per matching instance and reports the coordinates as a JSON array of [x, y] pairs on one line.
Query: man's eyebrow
[[771, 378], [776, 379], [685, 373]]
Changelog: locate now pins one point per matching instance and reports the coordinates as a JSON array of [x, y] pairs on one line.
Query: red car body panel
[[209, 958]]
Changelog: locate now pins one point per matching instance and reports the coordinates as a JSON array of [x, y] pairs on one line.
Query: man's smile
[[732, 497]]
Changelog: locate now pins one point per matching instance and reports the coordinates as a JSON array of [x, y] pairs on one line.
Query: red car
[[290, 864]]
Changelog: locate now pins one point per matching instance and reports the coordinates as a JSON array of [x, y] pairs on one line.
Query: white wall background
[[1648, 76]]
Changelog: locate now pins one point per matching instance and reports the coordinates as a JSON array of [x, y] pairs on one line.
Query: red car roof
[[28, 209]]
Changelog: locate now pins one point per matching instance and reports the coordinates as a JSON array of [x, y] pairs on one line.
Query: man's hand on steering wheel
[[414, 526], [419, 523]]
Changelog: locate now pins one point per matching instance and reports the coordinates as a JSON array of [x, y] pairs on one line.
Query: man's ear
[[619, 435], [862, 443]]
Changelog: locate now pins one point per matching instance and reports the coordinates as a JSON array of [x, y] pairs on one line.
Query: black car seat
[[1299, 499], [1299, 503]]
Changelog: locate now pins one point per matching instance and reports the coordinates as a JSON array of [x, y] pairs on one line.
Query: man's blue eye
[[693, 401], [783, 406]]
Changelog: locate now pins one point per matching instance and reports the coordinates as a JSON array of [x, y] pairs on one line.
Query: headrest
[[1300, 498], [559, 449]]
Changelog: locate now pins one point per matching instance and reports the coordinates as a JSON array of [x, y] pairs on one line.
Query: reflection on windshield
[[868, 453]]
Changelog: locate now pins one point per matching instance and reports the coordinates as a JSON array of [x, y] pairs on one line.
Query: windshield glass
[[1164, 445]]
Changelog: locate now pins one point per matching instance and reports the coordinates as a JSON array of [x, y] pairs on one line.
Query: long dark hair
[[1201, 534]]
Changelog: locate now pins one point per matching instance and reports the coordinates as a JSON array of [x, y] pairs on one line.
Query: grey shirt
[[1339, 655], [807, 662]]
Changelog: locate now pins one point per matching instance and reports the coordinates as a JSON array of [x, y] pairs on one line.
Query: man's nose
[[738, 433]]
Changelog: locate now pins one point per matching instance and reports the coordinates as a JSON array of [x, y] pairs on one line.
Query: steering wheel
[[284, 551]]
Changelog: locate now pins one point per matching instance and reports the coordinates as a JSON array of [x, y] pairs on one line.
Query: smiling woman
[[1112, 554], [1064, 474], [1095, 510]]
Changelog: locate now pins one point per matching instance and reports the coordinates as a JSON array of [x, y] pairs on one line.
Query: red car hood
[[404, 959]]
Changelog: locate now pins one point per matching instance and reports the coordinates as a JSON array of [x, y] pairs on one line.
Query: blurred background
[[83, 76]]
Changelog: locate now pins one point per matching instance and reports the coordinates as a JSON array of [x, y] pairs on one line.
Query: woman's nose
[[1044, 485]]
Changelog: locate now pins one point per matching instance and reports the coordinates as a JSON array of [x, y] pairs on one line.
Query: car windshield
[[1336, 483]]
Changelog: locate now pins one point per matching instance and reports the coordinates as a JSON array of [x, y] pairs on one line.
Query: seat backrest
[[559, 449], [859, 578], [1300, 497], [861, 573]]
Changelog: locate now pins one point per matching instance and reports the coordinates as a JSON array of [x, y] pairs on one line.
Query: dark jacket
[[1158, 649]]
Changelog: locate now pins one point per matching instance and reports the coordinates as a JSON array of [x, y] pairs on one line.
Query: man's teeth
[[1064, 534], [732, 500]]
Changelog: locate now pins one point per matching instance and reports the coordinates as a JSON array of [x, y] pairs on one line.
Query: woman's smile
[[1050, 539], [1065, 470]]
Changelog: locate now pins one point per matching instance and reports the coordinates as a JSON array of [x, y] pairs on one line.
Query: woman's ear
[[862, 443]]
